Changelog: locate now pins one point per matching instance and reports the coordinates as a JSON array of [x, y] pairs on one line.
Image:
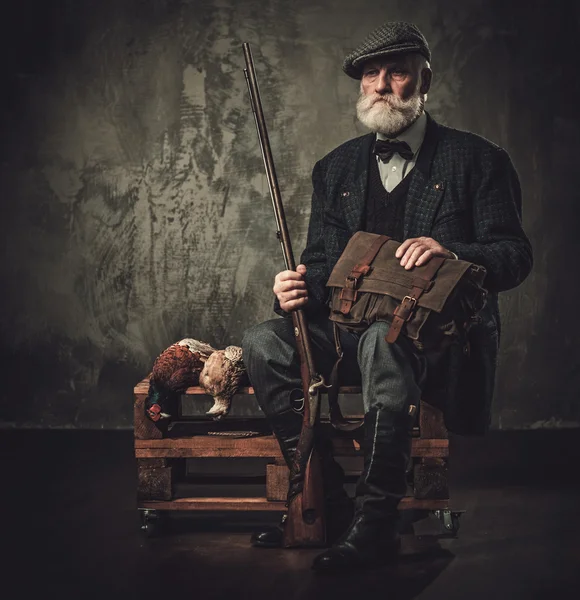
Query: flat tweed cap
[[390, 38]]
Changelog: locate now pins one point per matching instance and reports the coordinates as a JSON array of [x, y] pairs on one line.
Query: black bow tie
[[385, 149]]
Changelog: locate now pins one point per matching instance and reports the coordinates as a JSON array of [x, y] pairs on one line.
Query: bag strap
[[337, 419], [421, 284], [348, 294]]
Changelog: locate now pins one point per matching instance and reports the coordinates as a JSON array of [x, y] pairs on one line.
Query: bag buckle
[[404, 311], [350, 296], [349, 291]]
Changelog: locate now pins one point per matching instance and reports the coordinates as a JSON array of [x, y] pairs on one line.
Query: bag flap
[[389, 277]]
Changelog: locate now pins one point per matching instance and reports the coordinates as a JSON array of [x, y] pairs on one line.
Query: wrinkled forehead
[[392, 60]]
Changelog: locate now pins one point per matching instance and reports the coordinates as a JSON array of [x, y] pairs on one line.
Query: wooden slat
[[249, 453], [260, 447], [265, 443], [422, 446], [155, 483], [143, 387], [431, 422], [143, 428], [215, 504], [430, 478], [216, 445], [263, 504], [277, 482]]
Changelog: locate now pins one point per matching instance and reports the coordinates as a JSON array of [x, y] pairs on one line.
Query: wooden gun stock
[[305, 526]]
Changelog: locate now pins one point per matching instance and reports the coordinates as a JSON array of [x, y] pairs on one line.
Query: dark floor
[[71, 530]]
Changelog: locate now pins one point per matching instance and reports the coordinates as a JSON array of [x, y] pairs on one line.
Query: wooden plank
[[216, 445], [430, 479], [263, 504], [154, 484], [252, 453], [143, 386], [207, 446], [215, 504], [277, 482], [410, 502], [143, 428], [203, 453], [422, 445], [431, 422]]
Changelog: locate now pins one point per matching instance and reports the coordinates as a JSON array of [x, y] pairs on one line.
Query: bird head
[[160, 405]]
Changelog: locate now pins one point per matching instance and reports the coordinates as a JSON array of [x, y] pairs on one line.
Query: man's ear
[[426, 77]]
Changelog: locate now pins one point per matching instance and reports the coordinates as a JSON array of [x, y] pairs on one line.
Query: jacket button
[[345, 194]]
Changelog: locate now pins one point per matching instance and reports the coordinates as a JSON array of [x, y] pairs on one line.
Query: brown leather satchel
[[433, 304]]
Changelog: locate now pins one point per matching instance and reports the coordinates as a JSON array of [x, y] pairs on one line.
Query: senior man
[[441, 192]]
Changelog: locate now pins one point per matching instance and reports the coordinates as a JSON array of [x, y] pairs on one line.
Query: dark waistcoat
[[385, 212]]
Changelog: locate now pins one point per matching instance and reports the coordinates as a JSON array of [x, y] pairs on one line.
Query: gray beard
[[388, 114]]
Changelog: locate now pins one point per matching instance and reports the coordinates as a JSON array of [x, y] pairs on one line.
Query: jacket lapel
[[354, 190], [425, 190]]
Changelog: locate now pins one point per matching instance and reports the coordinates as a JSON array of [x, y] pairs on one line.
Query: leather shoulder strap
[[336, 417], [372, 252]]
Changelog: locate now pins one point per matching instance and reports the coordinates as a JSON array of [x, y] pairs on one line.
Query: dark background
[[134, 210]]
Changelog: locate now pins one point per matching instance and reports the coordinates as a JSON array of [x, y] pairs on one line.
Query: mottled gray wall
[[134, 210]]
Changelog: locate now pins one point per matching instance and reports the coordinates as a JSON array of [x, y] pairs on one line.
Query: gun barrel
[[283, 235]]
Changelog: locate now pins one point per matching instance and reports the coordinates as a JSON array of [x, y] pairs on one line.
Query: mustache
[[389, 99], [380, 98], [387, 113]]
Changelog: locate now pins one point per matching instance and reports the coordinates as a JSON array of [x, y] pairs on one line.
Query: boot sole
[[388, 558]]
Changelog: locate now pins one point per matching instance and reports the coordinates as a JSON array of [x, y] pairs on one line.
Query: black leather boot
[[286, 427], [371, 538], [339, 507]]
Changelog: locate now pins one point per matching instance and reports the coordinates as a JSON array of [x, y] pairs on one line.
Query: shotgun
[[305, 524]]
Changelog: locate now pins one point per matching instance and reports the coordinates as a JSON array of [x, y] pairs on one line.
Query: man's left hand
[[419, 251]]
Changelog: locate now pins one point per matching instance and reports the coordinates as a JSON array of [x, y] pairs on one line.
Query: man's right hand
[[290, 289]]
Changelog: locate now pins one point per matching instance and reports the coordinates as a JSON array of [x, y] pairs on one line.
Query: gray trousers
[[391, 375]]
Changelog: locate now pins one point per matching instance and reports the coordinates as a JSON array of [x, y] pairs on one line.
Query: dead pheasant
[[175, 369], [222, 374]]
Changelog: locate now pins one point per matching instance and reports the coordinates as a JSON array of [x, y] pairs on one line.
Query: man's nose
[[382, 84]]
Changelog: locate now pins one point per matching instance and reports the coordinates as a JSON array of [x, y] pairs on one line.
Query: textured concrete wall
[[134, 210]]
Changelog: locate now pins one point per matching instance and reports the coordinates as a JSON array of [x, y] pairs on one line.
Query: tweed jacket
[[464, 192]]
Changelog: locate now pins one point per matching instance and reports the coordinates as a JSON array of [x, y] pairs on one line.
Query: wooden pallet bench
[[160, 457]]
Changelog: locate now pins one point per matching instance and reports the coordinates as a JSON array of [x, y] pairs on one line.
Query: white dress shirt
[[397, 168]]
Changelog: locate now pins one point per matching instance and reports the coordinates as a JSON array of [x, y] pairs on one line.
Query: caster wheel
[[449, 520], [151, 523]]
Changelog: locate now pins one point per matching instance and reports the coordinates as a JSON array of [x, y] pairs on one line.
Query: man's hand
[[290, 289], [419, 251]]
